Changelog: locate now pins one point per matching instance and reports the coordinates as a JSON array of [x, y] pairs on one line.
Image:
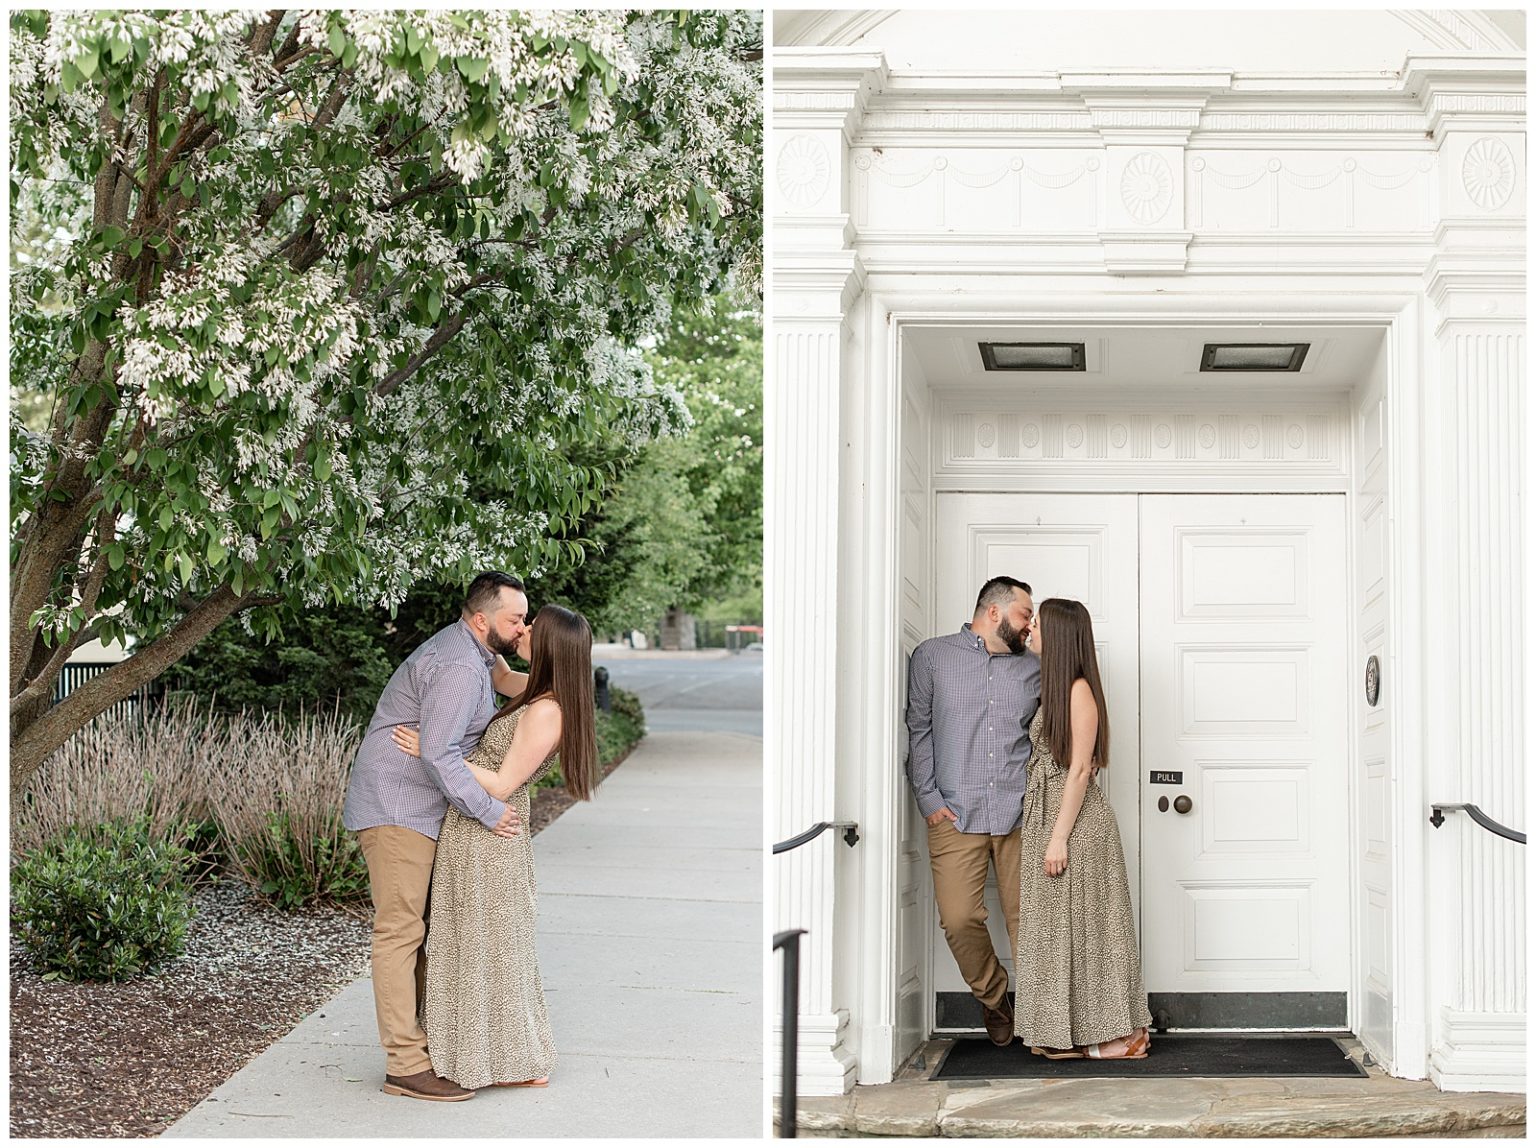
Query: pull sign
[[1167, 777]]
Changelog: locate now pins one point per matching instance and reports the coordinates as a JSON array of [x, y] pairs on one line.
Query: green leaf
[[434, 304], [187, 567], [86, 62], [337, 40], [428, 56], [473, 68], [115, 556], [323, 468], [216, 552], [111, 235]]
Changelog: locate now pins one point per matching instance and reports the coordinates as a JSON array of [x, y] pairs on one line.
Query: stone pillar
[[818, 98], [1475, 444]]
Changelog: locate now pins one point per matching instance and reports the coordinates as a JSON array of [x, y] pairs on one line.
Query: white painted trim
[[1480, 1052]]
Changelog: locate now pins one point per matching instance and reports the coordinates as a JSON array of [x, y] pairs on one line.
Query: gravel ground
[[130, 1059]]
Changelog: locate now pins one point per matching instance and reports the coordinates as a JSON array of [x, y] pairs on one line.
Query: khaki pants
[[960, 886], [399, 876]]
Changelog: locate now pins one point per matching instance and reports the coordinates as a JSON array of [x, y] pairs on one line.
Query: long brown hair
[[560, 667], [1066, 654]]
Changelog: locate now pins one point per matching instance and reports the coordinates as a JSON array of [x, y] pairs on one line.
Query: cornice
[[820, 88], [1480, 91]]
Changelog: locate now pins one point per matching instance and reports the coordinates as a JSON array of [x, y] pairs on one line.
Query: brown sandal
[[1135, 1048], [1057, 1053]]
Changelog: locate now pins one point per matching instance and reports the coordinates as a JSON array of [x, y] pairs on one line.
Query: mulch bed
[[130, 1059]]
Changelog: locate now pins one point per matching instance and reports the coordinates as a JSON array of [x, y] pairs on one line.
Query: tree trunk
[[40, 730]]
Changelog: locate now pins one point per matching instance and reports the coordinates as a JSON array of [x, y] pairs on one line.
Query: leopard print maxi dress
[[1077, 969], [483, 1010]]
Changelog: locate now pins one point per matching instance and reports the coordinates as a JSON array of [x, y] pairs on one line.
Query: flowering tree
[[297, 279]]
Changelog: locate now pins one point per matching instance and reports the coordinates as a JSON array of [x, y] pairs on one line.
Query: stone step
[[1377, 1105]]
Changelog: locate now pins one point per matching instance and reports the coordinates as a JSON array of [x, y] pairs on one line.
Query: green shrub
[[619, 729], [103, 903], [290, 868], [627, 705]]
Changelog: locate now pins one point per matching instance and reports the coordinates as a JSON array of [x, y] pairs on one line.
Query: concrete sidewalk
[[651, 949]]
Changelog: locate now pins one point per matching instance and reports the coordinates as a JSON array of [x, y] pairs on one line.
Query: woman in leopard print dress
[[483, 1006], [1077, 968]]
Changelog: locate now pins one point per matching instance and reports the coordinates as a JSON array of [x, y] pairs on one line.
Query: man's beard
[[1012, 638], [507, 649]]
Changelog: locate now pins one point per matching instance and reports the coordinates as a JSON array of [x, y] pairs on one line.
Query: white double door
[[1220, 627]]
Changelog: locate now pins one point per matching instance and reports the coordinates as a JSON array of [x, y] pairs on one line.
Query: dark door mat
[[1171, 1055]]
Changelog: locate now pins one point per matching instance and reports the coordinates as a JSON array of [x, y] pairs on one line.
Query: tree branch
[[262, 35], [440, 339], [32, 741], [42, 685]]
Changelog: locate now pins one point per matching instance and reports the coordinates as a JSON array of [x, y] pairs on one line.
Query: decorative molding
[[1145, 252], [815, 101], [1271, 177], [1488, 173], [804, 170], [1330, 122], [1455, 31], [1477, 103], [1182, 119], [894, 119], [1110, 439], [1146, 187], [1479, 1052]]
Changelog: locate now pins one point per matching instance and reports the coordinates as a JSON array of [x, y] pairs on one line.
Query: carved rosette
[[1488, 173], [1146, 187], [804, 170]]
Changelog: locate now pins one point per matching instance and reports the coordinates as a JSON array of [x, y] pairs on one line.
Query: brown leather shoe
[[999, 1022], [425, 1085]]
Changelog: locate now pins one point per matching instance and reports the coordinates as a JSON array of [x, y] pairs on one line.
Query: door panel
[[1064, 545], [1244, 702]]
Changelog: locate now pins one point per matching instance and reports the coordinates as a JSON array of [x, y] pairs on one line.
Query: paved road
[[697, 691]]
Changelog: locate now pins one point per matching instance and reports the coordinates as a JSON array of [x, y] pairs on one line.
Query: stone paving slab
[[1376, 1106]]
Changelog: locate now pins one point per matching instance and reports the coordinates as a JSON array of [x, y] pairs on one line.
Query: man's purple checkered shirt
[[968, 715], [444, 687]]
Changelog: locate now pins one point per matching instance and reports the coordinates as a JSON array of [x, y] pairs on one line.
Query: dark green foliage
[[336, 658], [682, 523], [620, 729], [290, 871], [104, 903], [627, 705]]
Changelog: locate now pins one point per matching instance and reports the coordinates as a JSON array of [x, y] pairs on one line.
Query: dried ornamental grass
[[121, 767], [277, 795], [269, 789]]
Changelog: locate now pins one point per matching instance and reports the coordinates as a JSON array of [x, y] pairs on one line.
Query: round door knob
[[1182, 804]]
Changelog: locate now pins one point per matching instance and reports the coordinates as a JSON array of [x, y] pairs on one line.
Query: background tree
[[683, 524], [325, 270]]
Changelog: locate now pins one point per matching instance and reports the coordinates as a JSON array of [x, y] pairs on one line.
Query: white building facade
[[1132, 196]]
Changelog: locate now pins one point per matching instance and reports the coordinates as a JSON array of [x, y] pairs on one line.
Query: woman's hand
[[1055, 858], [408, 739]]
